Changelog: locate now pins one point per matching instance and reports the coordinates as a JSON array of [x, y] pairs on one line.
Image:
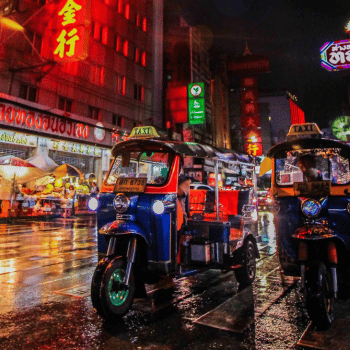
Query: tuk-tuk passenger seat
[[203, 206]]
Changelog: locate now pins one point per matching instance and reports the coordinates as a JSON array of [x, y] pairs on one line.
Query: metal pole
[[216, 163]]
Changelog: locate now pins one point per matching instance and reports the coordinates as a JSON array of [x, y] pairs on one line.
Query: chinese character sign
[[72, 38], [254, 149], [335, 55]]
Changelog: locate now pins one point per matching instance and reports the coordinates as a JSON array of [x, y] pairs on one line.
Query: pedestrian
[[94, 188], [183, 192]]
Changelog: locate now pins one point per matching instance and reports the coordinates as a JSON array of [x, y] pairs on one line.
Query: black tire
[[96, 285], [245, 275], [112, 301], [319, 298]]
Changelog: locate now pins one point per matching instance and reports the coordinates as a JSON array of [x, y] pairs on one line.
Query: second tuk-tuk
[[138, 240], [311, 189]]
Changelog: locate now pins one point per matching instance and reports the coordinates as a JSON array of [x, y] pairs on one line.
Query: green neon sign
[[196, 111], [196, 103]]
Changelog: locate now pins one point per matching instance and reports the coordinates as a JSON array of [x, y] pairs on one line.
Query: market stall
[[39, 187]]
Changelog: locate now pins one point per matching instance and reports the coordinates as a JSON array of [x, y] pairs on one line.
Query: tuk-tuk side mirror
[[125, 160]]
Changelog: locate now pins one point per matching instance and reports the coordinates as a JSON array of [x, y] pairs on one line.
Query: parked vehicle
[[311, 185], [137, 218]]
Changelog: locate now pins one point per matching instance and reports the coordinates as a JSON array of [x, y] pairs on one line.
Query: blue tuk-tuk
[[138, 239], [311, 190]]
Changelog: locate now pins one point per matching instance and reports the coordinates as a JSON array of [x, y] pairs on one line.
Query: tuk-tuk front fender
[[121, 227]]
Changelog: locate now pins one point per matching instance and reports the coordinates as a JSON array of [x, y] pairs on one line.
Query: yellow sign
[[144, 132], [130, 184], [302, 130]]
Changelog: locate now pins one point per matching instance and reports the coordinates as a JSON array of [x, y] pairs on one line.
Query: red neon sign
[[25, 119], [254, 149], [72, 38]]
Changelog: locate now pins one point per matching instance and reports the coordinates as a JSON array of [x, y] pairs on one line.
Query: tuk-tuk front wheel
[[319, 297], [110, 297], [245, 275]]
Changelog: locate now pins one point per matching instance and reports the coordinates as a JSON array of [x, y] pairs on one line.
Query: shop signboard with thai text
[[196, 103], [15, 116], [335, 55], [17, 138], [247, 65]]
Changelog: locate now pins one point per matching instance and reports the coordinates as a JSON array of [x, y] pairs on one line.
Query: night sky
[[291, 34]]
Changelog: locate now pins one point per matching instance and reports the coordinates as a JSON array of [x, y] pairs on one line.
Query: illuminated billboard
[[71, 40], [335, 55]]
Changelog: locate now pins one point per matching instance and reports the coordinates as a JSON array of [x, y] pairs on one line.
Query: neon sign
[[72, 38], [254, 149], [335, 55], [30, 120]]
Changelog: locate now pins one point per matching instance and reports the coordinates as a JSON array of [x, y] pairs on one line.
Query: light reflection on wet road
[[45, 274]]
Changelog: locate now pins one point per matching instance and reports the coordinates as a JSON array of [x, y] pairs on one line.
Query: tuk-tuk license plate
[[317, 188], [130, 185]]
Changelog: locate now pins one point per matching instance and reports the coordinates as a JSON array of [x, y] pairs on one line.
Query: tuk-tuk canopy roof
[[280, 150], [187, 149]]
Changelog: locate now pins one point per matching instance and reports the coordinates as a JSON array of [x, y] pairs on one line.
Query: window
[[144, 24], [138, 20], [117, 120], [120, 6], [97, 74], [27, 92], [138, 92], [137, 55], [127, 11], [120, 85], [143, 59], [96, 30], [155, 166], [117, 42], [105, 35], [126, 48], [65, 104], [36, 41], [94, 113]]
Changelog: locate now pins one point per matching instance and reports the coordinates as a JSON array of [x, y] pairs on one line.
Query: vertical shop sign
[[196, 103], [250, 115], [72, 38]]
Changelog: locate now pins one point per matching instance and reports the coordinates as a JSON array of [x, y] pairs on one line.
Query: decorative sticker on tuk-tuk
[[130, 185], [316, 188]]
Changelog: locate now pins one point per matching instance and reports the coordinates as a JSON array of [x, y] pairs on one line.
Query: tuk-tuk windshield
[[315, 165], [154, 166]]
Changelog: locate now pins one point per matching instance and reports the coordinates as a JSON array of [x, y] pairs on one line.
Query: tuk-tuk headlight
[[92, 203], [158, 207], [121, 203], [311, 208]]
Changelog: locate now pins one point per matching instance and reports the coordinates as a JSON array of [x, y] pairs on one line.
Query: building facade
[[76, 105], [186, 60]]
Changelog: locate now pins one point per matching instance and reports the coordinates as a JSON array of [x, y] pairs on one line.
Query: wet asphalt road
[[45, 275]]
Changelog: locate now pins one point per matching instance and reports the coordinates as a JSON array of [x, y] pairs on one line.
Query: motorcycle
[[313, 216], [139, 241]]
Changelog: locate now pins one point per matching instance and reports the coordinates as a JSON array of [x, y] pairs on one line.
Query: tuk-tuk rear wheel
[[114, 300], [319, 298], [245, 275]]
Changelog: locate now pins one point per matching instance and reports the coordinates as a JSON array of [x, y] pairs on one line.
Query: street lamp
[[7, 7], [11, 24]]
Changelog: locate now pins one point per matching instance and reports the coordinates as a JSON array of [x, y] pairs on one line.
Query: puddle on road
[[78, 291], [337, 337], [240, 311]]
